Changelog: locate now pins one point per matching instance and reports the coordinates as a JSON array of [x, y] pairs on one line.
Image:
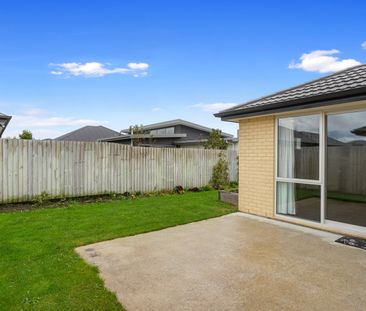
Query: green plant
[[215, 141], [26, 134], [42, 198], [220, 173], [206, 188], [139, 135]]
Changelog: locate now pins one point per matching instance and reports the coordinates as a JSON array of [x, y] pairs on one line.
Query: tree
[[220, 173], [26, 134], [215, 141], [138, 135]]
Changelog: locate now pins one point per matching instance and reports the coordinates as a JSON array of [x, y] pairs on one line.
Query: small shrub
[[194, 189], [220, 173], [206, 188], [42, 198]]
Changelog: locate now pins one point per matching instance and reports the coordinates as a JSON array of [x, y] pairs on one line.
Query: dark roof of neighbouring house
[[179, 122], [7, 119], [349, 84], [360, 131], [88, 133], [123, 137], [313, 138]]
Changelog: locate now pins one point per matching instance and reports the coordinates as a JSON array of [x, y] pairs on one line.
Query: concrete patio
[[235, 262]]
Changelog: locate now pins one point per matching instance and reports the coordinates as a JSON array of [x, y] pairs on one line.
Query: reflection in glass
[[346, 168], [298, 200], [298, 147]]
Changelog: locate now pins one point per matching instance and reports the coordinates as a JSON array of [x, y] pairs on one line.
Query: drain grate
[[354, 242]]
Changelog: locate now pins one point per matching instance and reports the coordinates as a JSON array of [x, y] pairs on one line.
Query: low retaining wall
[[229, 197]]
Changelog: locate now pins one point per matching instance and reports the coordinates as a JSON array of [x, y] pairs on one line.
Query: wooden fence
[[70, 169], [346, 167]]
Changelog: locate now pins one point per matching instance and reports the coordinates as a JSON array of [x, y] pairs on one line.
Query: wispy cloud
[[323, 61], [363, 45], [156, 109], [43, 124], [214, 107], [96, 69], [34, 117]]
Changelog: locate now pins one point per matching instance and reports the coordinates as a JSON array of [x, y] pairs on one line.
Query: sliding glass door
[[298, 167], [346, 168], [321, 168]]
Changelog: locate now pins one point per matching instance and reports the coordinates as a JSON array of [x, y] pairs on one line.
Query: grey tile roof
[[349, 80], [89, 133], [179, 122]]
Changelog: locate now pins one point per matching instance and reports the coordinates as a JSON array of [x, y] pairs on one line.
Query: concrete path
[[234, 262]]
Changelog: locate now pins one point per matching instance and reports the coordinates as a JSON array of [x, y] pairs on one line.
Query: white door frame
[[323, 223]]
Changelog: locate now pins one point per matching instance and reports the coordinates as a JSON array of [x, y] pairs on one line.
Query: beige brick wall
[[256, 165]]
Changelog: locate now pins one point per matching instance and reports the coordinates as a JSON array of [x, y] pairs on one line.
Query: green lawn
[[39, 269]]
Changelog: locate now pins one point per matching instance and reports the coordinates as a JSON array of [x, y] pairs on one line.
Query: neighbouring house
[[4, 121], [175, 133], [88, 133], [303, 153]]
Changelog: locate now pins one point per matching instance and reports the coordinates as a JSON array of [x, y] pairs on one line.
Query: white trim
[[300, 181], [322, 182], [322, 167], [319, 182]]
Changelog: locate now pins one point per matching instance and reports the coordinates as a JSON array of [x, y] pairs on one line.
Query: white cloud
[[323, 61], [56, 73], [138, 66], [42, 118], [363, 45], [214, 107], [156, 109], [96, 69], [45, 125]]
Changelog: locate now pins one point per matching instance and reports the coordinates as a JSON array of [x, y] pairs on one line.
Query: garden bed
[[229, 197]]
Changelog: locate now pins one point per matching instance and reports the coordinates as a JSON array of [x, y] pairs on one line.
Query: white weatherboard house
[[303, 153]]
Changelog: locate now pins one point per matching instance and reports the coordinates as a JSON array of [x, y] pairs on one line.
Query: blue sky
[[65, 64]]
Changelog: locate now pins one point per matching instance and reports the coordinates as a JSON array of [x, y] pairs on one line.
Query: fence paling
[[62, 168]]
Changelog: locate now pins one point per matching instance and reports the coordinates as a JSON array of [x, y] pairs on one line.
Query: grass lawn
[[39, 269]]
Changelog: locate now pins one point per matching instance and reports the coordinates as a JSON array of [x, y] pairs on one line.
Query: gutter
[[302, 103]]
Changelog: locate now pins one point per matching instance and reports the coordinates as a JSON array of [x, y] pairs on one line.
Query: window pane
[[298, 147], [298, 200], [346, 168], [170, 130]]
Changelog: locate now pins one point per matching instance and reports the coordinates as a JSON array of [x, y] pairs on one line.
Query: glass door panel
[[346, 168], [298, 167]]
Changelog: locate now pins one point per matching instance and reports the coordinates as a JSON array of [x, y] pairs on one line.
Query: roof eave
[[312, 102], [7, 118]]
